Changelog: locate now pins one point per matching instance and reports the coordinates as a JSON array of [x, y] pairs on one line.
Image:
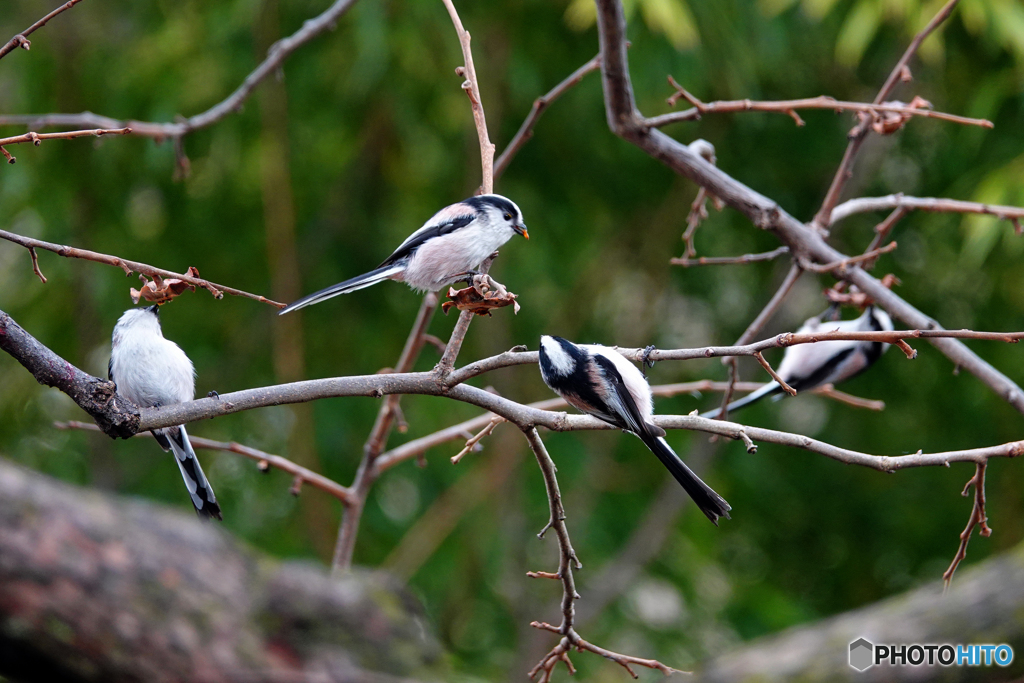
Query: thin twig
[[21, 40], [131, 266], [978, 518], [842, 265], [35, 265], [37, 138], [775, 376], [729, 260], [900, 72], [474, 440], [935, 204], [367, 474], [789, 108], [472, 88], [263, 460], [276, 55], [525, 131]]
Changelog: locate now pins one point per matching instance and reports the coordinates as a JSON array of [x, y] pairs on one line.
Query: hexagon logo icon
[[861, 654]]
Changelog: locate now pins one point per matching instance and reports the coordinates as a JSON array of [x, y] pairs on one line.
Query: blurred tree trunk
[[984, 605], [285, 278], [93, 588]]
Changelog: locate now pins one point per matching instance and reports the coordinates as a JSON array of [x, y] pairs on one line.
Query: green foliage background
[[379, 135]]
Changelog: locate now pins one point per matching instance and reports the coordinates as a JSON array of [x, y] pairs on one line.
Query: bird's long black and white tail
[[709, 502], [198, 487], [359, 282], [754, 396]]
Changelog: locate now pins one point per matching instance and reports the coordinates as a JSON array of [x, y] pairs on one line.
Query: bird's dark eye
[[508, 216]]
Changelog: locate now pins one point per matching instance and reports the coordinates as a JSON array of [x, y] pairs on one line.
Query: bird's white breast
[[151, 370]]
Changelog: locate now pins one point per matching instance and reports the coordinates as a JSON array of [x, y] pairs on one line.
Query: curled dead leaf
[[888, 122], [479, 300], [161, 290]]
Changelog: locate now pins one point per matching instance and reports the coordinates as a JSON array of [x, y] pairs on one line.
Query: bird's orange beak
[[521, 229]]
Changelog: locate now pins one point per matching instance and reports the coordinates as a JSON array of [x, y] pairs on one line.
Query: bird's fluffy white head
[[561, 361], [138, 321]]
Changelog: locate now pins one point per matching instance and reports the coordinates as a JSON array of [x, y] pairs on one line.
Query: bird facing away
[[600, 381], [807, 366], [151, 371], [449, 247]]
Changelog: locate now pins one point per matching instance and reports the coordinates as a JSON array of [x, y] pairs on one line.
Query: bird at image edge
[[449, 247], [601, 382]]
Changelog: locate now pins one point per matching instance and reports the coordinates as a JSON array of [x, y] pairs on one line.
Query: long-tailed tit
[[806, 366], [449, 247], [600, 381], [151, 371]]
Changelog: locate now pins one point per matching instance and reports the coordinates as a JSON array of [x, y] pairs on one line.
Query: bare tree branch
[[804, 242], [472, 88], [978, 519], [37, 138], [276, 56], [116, 416], [128, 267], [567, 563], [540, 104], [367, 473], [263, 460], [21, 40], [789, 108], [843, 264], [901, 72], [939, 205], [729, 260]]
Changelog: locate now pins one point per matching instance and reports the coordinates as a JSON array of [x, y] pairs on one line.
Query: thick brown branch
[[525, 131], [130, 266], [263, 459], [789, 108], [116, 416], [21, 40]]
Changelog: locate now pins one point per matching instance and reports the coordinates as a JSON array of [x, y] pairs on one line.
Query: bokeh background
[[368, 133]]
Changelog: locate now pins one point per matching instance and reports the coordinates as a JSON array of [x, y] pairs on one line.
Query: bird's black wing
[[416, 240], [620, 401], [110, 369]]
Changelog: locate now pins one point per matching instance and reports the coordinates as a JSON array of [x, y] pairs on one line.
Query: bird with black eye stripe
[[449, 247], [808, 366], [600, 381]]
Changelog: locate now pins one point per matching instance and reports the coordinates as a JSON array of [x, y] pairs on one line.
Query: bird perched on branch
[[449, 247], [600, 381], [807, 366], [151, 371]]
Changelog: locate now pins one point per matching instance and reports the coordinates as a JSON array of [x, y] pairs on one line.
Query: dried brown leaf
[[479, 302], [160, 290]]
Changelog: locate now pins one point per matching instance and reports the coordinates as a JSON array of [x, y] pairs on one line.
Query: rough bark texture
[[116, 416], [984, 605], [93, 588]]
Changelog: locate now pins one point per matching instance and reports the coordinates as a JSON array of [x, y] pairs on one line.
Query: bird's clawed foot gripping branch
[[804, 243]]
